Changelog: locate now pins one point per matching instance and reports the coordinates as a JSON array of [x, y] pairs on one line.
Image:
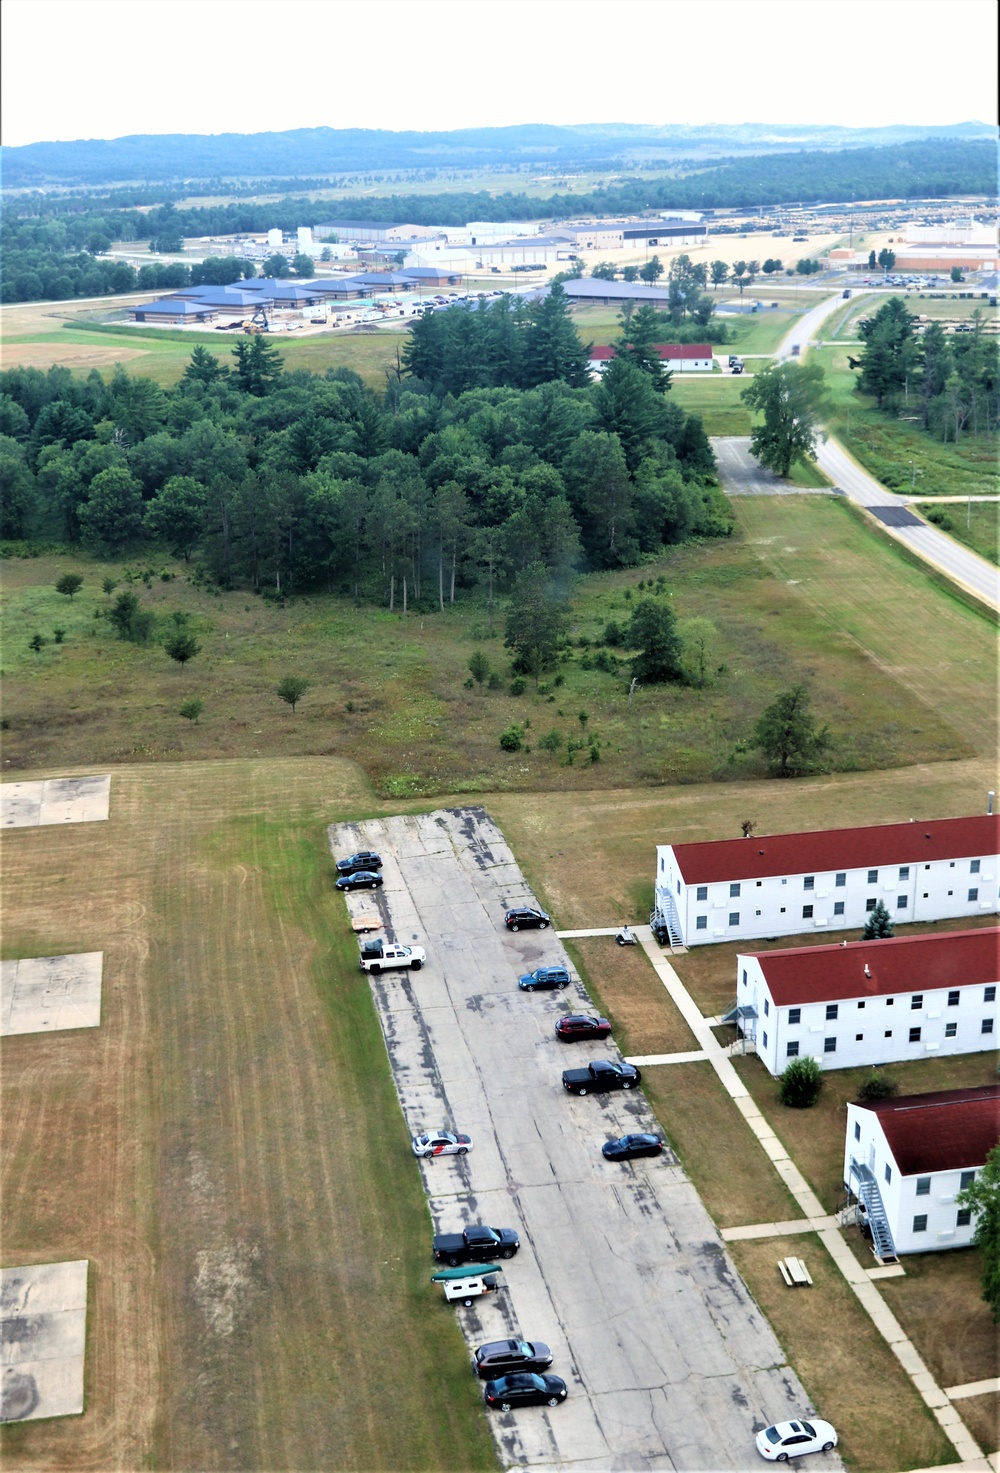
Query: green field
[[389, 691], [976, 523], [716, 399]]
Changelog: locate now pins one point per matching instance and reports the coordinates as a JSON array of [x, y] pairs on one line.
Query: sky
[[106, 68]]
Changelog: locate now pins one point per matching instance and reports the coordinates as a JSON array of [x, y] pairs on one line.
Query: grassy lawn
[[629, 993], [845, 1365], [815, 1138], [868, 596], [227, 1148], [717, 399], [899, 454], [940, 1306], [164, 357], [716, 1146], [416, 729]]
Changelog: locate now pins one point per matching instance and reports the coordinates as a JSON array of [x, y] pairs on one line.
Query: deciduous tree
[[292, 689], [790, 396], [69, 583], [983, 1198], [652, 633], [534, 621], [787, 733]]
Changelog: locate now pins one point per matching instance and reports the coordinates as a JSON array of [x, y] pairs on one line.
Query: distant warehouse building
[[677, 357], [619, 235], [590, 291], [173, 310], [378, 232]]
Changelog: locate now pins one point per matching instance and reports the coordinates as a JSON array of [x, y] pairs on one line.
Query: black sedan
[[629, 1146], [582, 1025], [544, 979], [527, 1389], [502, 1357], [525, 918], [361, 879], [367, 859]]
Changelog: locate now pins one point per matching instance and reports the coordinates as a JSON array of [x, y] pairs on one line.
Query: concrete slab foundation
[[44, 994], [54, 800], [43, 1324]]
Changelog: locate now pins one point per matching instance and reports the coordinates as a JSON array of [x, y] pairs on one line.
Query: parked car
[[524, 918], [734, 358], [626, 1147], [544, 979], [582, 1025], [600, 1076], [441, 1143], [791, 1439], [366, 859], [361, 879], [524, 1389], [738, 367], [476, 1243], [502, 1357]]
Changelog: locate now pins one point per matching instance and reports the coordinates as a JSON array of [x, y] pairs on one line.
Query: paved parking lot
[[669, 1362]]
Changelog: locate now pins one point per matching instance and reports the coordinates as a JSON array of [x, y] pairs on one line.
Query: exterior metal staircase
[[871, 1199], [665, 915]]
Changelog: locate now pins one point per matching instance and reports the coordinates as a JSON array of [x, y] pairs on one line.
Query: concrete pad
[[55, 800], [766, 1230], [45, 994], [649, 1059], [43, 1323], [887, 1271]]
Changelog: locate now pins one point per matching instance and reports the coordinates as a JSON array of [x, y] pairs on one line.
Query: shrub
[[69, 584], [109, 585], [595, 752], [37, 642], [558, 681], [182, 647], [58, 635], [878, 1087], [612, 633], [479, 667], [512, 740], [801, 1083], [552, 741], [517, 686], [495, 681], [606, 661], [192, 709]]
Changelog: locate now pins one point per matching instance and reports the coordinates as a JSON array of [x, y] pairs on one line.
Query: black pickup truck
[[600, 1076], [478, 1244]]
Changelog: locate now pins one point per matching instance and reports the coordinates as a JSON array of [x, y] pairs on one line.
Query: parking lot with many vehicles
[[662, 1356]]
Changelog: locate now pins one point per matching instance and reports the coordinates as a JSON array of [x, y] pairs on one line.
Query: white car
[[791, 1439], [444, 1143]]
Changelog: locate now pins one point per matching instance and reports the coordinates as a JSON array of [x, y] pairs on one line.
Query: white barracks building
[[871, 1002], [782, 885], [907, 1159]]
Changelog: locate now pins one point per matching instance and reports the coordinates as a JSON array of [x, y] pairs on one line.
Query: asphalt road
[[668, 1360], [742, 475]]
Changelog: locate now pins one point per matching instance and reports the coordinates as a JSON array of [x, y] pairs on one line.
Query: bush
[[801, 1083], [552, 741], [192, 709], [517, 686], [37, 642], [878, 1087], [612, 633], [495, 682], [69, 584], [58, 635], [479, 667], [512, 740]]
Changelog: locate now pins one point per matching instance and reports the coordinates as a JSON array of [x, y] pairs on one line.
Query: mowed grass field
[[227, 1148], [808, 593]]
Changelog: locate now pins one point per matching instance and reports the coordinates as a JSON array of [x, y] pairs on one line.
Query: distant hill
[[311, 152]]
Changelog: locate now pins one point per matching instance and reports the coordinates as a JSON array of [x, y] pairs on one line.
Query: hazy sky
[[104, 68]]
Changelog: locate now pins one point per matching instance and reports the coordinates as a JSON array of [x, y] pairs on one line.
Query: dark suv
[[524, 918], [501, 1357], [543, 978], [367, 859]]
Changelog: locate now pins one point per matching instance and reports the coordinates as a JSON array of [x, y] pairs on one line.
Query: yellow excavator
[[258, 322]]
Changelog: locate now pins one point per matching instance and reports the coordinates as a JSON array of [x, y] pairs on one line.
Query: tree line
[[950, 381], [287, 481]]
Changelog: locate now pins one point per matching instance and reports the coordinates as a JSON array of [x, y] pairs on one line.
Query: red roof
[[803, 974], [828, 850], [665, 350], [951, 1131]]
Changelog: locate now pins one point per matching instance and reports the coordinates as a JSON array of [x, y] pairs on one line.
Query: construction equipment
[[258, 322]]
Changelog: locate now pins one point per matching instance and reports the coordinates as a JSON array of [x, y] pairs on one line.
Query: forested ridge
[[290, 481], [51, 246]]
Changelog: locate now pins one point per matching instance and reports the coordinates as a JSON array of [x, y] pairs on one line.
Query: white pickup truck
[[379, 956]]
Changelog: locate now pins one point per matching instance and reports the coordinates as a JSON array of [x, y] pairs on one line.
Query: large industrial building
[[619, 235], [677, 357], [377, 232]]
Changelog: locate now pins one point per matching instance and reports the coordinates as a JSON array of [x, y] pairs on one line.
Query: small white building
[[906, 1159], [871, 1002], [677, 357], [757, 889]]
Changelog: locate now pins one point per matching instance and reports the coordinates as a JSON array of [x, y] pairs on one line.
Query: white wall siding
[[907, 1199], [787, 905]]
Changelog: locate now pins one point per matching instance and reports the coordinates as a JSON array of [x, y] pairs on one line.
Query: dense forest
[[301, 151], [51, 247], [290, 481]]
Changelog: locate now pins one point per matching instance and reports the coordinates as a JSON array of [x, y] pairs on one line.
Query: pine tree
[[878, 926]]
